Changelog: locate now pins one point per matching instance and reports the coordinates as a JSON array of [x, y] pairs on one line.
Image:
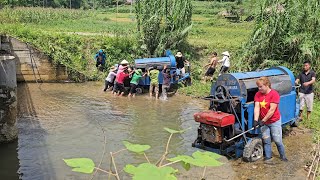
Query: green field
[[210, 32]]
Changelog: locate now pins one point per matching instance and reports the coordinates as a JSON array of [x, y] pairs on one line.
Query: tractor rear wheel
[[296, 123], [139, 90], [253, 151]]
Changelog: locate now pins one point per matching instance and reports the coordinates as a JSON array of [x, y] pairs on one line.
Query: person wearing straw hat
[[225, 62], [123, 65], [110, 78], [180, 61], [134, 82]]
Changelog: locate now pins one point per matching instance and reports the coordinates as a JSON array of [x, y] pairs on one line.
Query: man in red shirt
[[267, 115]]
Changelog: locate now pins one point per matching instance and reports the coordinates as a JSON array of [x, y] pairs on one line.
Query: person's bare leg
[[308, 114], [300, 114], [157, 95], [150, 90], [134, 95]]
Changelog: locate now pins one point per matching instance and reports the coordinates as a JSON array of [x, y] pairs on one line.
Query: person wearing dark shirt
[[306, 78], [166, 82], [180, 61]]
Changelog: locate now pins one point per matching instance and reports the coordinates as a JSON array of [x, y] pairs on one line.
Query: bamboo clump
[[314, 167]]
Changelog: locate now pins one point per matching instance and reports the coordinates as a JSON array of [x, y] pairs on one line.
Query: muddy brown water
[[57, 121]]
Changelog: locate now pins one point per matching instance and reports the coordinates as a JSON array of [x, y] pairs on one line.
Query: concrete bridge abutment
[[20, 62]]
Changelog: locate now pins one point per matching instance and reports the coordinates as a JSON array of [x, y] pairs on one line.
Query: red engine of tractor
[[215, 118], [214, 125]]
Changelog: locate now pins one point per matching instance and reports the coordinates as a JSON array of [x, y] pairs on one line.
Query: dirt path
[[298, 146]]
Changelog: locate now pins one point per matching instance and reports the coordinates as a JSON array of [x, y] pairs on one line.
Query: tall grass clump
[[286, 33], [39, 15], [162, 24]]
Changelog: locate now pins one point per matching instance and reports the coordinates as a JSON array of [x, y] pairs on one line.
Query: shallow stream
[[58, 121]]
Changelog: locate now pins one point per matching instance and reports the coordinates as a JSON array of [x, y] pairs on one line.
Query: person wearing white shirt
[[225, 62]]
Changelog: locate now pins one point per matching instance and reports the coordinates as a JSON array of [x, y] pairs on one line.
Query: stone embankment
[[8, 99], [20, 62]]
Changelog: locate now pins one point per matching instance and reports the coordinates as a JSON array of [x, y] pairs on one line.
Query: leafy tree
[[162, 24]]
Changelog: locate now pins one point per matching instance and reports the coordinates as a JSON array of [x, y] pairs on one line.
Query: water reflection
[[9, 163]]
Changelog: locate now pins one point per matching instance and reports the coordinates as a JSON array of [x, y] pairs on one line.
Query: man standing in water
[[154, 83], [267, 115], [307, 78]]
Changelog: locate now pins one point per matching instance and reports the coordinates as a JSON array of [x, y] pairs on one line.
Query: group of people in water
[[119, 74], [123, 79]]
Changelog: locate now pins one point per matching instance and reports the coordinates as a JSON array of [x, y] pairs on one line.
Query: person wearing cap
[[110, 78], [180, 61], [100, 58], [225, 62], [154, 83], [123, 65]]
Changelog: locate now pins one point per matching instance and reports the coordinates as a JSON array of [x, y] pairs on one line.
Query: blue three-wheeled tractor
[[170, 61], [227, 127]]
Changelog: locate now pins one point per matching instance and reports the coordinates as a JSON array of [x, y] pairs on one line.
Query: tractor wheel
[[139, 90], [296, 123], [253, 151]]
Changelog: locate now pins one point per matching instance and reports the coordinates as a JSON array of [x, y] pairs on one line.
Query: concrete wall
[[8, 99], [31, 64], [21, 62]]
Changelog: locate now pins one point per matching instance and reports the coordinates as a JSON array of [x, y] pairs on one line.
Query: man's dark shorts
[[133, 88], [210, 71]]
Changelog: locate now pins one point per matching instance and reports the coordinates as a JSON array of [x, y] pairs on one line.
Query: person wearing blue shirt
[[100, 58]]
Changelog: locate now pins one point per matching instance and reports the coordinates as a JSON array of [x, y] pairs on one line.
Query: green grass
[[210, 32], [314, 122], [197, 89]]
